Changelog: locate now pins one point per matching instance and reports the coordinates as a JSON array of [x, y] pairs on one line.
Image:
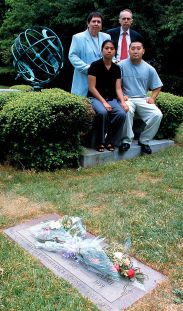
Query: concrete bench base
[[8, 90], [90, 157]]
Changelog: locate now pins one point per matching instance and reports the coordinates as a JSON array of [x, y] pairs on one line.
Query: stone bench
[[90, 157], [89, 140]]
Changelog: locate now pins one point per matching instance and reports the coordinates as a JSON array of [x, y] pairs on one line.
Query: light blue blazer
[[81, 54]]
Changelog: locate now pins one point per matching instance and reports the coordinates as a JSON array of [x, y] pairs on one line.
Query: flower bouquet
[[67, 235], [60, 230], [123, 263]]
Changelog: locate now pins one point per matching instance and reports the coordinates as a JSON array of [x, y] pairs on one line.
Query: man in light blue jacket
[[86, 48]]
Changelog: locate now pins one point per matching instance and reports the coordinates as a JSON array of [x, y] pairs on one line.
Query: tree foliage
[[159, 21]]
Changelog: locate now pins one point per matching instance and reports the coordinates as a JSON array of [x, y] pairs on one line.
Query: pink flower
[[127, 262], [46, 229], [117, 267], [131, 273]]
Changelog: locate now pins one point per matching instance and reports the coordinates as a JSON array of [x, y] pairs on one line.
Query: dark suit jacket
[[115, 32]]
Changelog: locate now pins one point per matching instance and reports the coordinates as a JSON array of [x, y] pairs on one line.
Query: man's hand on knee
[[150, 100], [125, 107]]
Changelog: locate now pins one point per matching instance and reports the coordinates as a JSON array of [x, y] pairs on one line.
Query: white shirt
[[128, 40]]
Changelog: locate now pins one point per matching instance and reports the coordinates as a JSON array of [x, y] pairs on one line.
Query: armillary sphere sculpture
[[38, 56]]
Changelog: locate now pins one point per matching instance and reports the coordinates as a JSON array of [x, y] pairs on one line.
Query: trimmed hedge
[[22, 87], [172, 109], [41, 130]]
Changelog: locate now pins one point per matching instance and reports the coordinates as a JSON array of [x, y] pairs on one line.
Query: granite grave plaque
[[107, 294]]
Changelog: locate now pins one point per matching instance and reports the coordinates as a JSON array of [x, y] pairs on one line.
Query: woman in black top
[[105, 93]]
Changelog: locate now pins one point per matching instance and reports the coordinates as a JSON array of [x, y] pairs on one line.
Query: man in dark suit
[[124, 35]]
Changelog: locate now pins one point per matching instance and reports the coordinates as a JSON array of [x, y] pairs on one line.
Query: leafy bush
[[22, 87], [172, 109], [5, 97], [41, 130]]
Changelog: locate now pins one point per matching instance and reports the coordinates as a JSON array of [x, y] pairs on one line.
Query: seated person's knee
[[122, 114], [102, 114], [158, 114]]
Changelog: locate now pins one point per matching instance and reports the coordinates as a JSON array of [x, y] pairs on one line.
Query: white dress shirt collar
[[122, 31]]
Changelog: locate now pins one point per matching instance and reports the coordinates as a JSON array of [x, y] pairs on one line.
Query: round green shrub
[[22, 87], [6, 97], [41, 130], [172, 109]]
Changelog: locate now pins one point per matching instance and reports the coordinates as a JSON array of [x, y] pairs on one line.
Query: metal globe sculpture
[[38, 56]]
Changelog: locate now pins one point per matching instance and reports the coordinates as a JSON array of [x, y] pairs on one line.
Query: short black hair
[[140, 41], [108, 41], [94, 14]]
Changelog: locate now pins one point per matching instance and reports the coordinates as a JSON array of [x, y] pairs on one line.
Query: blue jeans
[[109, 125]]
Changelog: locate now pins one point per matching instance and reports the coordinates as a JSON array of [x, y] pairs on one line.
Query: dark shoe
[[124, 147], [100, 148], [110, 147], [145, 148]]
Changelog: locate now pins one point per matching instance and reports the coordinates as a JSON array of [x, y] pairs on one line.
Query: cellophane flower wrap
[[118, 254], [68, 236]]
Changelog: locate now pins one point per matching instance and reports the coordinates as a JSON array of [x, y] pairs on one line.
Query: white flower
[[118, 255], [75, 219], [55, 224]]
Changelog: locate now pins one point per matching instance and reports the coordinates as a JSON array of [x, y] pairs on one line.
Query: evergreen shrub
[[22, 87], [172, 109], [41, 130]]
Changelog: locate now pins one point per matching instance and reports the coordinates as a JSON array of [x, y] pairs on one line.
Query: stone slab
[[107, 294], [90, 157]]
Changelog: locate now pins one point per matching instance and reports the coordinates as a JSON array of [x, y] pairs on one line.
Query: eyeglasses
[[124, 18]]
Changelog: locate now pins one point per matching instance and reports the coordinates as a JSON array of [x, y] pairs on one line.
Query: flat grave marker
[[107, 294]]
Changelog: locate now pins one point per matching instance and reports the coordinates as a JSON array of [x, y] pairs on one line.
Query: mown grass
[[141, 197]]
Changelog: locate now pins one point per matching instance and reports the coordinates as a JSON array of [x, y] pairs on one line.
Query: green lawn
[[142, 197]]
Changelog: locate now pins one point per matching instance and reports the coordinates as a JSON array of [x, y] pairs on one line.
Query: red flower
[[131, 273], [117, 267]]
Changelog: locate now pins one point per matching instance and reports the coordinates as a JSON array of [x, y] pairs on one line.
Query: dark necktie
[[124, 53]]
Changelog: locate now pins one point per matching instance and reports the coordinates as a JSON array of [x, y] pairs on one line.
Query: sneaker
[[145, 148], [124, 147]]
